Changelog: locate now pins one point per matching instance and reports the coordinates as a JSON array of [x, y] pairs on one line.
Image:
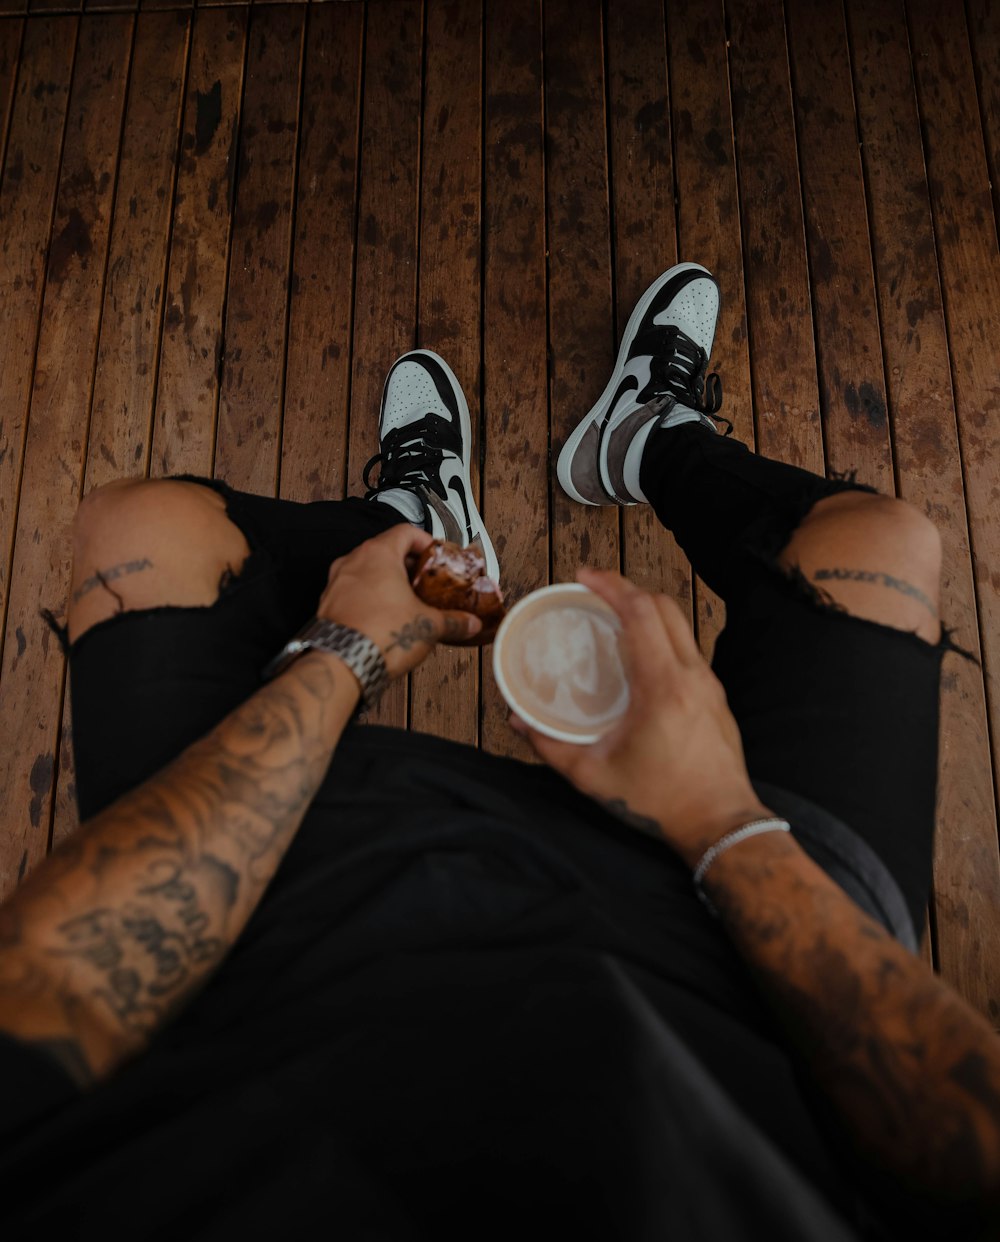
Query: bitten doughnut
[[449, 577]]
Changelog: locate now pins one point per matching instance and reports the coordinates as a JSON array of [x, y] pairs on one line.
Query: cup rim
[[559, 735]]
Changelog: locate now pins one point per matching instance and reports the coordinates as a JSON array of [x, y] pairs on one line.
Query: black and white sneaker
[[425, 444], [658, 381]]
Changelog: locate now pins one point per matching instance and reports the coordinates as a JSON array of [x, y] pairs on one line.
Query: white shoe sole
[[600, 409]]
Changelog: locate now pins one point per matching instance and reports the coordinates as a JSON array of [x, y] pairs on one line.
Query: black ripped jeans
[[839, 711]]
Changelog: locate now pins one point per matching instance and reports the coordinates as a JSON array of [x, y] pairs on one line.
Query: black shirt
[[470, 1002]]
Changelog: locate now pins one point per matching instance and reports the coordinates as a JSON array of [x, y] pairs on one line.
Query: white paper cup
[[545, 663]]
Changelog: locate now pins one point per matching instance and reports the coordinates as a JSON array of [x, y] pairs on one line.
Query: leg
[[827, 657], [181, 592]]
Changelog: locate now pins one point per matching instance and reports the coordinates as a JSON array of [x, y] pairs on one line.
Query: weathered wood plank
[[984, 37], [385, 287], [10, 48], [249, 426], [13, 6], [708, 223], [317, 373], [27, 195], [581, 332], [786, 398], [33, 666], [929, 468], [122, 402], [849, 353], [122, 410], [444, 690], [645, 241], [515, 404], [969, 267], [54, 6], [187, 391]]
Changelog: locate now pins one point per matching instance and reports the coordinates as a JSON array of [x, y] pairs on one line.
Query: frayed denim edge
[[229, 582], [817, 597]]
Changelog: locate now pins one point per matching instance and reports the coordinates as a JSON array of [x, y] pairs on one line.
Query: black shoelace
[[408, 458], [678, 370]]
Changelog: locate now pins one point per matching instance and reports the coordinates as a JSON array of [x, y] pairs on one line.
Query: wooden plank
[[444, 691], [54, 6], [53, 462], [187, 391], [122, 410], [708, 219], [166, 4], [122, 403], [317, 374], [516, 469], [13, 6], [645, 241], [581, 331], [248, 434], [10, 49], [930, 475], [385, 287], [849, 353], [984, 36], [969, 267], [786, 398], [27, 196]]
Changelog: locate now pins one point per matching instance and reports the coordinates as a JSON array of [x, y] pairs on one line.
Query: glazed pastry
[[449, 577]]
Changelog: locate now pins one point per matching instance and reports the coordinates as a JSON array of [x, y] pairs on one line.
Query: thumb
[[558, 755], [458, 626]]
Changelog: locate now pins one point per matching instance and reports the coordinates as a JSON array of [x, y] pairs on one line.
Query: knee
[[886, 520], [103, 509]]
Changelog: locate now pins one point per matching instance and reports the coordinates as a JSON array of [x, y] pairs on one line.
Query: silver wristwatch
[[360, 655]]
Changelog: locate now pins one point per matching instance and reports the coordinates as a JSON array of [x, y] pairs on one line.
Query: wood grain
[[515, 403], [249, 427], [13, 6], [708, 220], [122, 402], [385, 290], [645, 241], [984, 39], [581, 331], [27, 196], [187, 390], [318, 370], [444, 691], [782, 350], [849, 353], [10, 48], [33, 665], [969, 267]]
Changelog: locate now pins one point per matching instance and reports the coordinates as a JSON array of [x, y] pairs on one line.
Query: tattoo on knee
[[880, 579], [102, 577]]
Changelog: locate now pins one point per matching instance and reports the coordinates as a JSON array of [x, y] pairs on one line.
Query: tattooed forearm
[[117, 929], [908, 1069], [880, 579], [103, 576]]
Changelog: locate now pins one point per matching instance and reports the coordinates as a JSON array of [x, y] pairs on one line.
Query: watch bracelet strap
[[358, 652]]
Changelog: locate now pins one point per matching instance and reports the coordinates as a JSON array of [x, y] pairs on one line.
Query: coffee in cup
[[557, 662]]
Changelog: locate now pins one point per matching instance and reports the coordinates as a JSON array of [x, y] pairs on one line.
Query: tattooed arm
[[119, 927], [909, 1069], [115, 931]]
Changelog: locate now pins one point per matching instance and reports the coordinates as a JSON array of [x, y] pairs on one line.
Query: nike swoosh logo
[[453, 533], [628, 384], [456, 485]]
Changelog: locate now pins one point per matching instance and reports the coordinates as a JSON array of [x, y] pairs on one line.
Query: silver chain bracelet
[[753, 829]]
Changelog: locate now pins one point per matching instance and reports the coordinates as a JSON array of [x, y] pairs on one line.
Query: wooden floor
[[221, 225]]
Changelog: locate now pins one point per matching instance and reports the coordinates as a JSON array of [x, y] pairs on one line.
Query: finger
[[456, 626], [405, 539], [679, 628]]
